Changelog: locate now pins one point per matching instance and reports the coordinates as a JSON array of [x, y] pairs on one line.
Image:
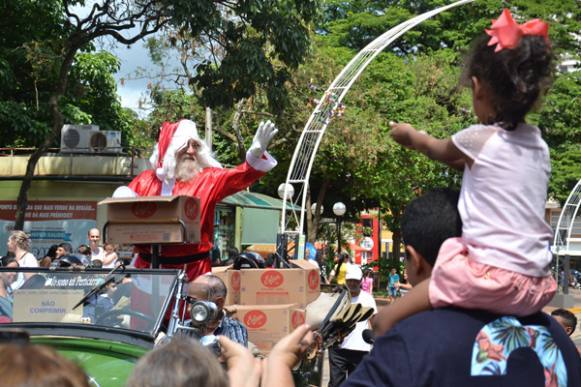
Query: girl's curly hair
[[516, 77]]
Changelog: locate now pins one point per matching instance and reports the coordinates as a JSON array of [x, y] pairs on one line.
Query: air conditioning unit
[[106, 141], [76, 138]]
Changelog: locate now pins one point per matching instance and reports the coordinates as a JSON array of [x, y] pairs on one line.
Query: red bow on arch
[[507, 33]]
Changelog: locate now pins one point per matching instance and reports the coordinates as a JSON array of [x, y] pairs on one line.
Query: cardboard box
[[152, 219], [299, 285], [267, 324], [232, 280]]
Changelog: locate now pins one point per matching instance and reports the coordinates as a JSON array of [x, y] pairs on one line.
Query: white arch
[[562, 241], [306, 149]]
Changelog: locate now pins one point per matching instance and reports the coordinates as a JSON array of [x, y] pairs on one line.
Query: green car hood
[[107, 363]]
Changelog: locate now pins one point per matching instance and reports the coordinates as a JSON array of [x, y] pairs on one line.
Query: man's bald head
[[208, 287], [94, 236]]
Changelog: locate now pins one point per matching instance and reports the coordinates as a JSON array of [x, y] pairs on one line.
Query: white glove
[[264, 134]]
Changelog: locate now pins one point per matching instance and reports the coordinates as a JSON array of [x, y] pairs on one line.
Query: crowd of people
[[62, 255], [430, 348]]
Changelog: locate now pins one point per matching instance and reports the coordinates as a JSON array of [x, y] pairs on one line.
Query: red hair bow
[[507, 33]]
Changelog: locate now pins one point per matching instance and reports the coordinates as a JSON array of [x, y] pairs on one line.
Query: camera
[[203, 312]]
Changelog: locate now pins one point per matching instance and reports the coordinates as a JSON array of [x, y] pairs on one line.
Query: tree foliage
[[56, 78], [415, 80]]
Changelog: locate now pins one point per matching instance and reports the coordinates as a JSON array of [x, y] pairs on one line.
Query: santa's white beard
[[187, 168]]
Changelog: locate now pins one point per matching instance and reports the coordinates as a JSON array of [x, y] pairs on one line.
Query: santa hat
[[173, 137]]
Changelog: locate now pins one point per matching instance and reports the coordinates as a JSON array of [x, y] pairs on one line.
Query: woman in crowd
[[340, 269], [367, 281], [48, 257], [19, 245], [404, 285]]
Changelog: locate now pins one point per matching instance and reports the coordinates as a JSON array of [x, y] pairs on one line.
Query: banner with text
[[50, 222]]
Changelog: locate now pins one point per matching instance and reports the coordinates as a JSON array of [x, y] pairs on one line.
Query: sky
[[132, 58]]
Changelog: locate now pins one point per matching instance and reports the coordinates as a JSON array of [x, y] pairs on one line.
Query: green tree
[[253, 36], [560, 119], [422, 89], [416, 80]]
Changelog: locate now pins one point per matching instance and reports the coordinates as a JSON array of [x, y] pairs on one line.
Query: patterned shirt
[[454, 347], [234, 330]]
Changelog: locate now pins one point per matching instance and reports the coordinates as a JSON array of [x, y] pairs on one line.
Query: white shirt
[[355, 341], [100, 254], [502, 201], [27, 260]]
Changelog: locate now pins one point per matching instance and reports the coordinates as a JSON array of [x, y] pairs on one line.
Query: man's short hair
[[84, 249], [217, 286], [182, 362], [567, 316], [214, 286], [431, 219], [67, 247]]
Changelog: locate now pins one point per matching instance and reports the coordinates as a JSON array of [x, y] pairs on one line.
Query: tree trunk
[[396, 237], [22, 200], [57, 123], [236, 127]]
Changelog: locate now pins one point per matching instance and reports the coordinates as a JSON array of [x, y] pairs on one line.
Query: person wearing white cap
[[183, 165], [344, 358]]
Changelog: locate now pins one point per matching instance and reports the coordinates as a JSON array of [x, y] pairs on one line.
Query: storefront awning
[[256, 200]]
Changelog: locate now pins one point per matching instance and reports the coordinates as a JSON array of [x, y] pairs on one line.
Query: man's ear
[[418, 263], [220, 301]]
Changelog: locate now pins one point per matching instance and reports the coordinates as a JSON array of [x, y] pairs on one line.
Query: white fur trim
[[185, 131], [259, 163], [154, 156]]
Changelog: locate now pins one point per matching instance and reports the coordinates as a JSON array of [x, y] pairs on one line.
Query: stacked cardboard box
[[267, 324], [152, 219], [271, 302]]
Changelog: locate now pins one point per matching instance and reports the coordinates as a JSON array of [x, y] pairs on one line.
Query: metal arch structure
[[564, 230], [304, 155], [562, 242]]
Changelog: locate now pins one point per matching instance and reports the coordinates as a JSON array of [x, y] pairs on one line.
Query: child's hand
[[402, 133]]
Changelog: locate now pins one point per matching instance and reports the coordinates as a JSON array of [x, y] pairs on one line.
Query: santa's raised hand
[[264, 135]]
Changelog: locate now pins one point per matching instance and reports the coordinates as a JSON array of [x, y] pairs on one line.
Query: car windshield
[[131, 300]]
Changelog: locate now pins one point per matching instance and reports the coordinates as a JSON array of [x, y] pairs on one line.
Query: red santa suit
[[210, 185]]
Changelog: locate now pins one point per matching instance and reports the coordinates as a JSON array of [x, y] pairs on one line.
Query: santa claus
[[183, 165]]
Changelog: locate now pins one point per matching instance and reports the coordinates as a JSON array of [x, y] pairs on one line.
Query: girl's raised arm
[[442, 150]]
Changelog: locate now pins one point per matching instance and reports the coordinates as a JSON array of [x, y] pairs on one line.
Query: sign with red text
[[50, 222]]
